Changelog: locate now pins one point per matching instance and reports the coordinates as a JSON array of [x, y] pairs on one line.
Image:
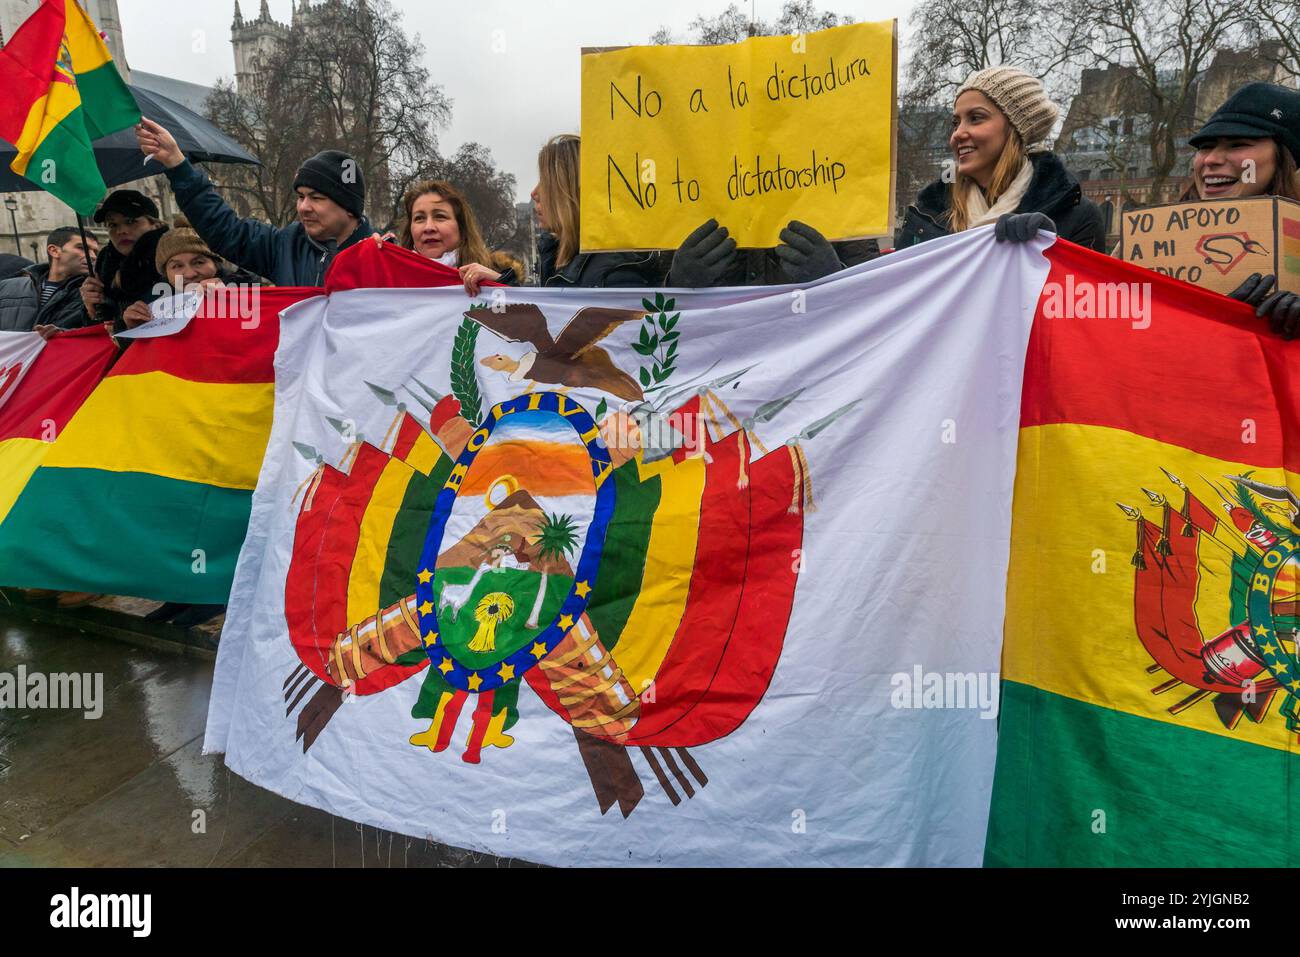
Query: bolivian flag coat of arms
[[614, 575]]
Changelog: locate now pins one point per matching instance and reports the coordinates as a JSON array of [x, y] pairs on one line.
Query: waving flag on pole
[[65, 92]]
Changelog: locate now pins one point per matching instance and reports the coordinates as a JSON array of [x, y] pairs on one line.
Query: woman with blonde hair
[[439, 224], [1002, 171], [559, 259]]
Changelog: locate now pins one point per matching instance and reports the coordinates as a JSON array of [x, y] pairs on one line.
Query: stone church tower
[[253, 41]]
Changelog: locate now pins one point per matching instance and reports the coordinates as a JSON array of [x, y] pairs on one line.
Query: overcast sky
[[509, 101]]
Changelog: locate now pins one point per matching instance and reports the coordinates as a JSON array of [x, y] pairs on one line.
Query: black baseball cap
[[128, 202], [1256, 110]]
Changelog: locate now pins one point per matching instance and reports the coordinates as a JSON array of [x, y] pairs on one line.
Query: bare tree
[[950, 41], [1274, 26], [490, 191], [734, 24], [1161, 52], [274, 130], [353, 80]]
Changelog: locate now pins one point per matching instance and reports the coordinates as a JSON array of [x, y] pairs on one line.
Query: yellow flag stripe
[[204, 432], [1070, 588], [19, 458], [46, 113], [424, 454], [84, 42], [372, 545], [666, 582]]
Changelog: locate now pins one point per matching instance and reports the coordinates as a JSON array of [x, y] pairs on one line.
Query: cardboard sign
[[1216, 244], [754, 134]]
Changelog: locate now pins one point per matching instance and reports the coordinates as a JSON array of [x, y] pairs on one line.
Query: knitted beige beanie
[[181, 239], [1022, 98]]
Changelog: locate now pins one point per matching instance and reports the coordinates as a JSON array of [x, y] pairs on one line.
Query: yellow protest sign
[[753, 134]]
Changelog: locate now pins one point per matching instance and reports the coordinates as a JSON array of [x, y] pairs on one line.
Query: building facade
[[1104, 140]]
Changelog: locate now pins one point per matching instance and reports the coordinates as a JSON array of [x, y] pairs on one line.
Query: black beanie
[[1256, 110], [335, 174]]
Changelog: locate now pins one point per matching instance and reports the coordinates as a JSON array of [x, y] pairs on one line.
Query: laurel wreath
[[464, 383], [658, 340]]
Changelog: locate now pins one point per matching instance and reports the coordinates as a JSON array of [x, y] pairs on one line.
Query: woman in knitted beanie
[[1002, 171], [186, 262]]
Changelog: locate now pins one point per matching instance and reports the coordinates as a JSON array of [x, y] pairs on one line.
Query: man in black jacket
[[331, 196], [49, 294]]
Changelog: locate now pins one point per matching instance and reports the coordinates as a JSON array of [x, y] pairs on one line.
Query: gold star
[[583, 589], [426, 608], [506, 672], [538, 650], [425, 576], [566, 622], [430, 639], [1280, 667], [474, 682], [1270, 649], [1261, 631], [446, 665]]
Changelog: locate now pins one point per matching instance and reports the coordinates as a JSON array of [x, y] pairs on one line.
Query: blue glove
[[1021, 227]]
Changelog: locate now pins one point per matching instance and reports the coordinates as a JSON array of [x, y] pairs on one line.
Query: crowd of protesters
[[1002, 173]]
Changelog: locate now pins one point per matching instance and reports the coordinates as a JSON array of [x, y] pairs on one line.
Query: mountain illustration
[[517, 519]]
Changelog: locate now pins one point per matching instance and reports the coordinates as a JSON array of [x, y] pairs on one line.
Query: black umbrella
[[119, 157]]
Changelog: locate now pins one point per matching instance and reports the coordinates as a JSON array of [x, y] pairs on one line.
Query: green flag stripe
[[406, 542], [623, 563], [106, 104], [64, 165], [1082, 786], [124, 533]]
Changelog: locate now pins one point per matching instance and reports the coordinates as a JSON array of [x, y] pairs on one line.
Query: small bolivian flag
[[65, 92]]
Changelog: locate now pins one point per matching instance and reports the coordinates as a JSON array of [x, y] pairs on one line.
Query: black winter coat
[[286, 255], [598, 270], [1053, 190], [20, 302], [129, 279]]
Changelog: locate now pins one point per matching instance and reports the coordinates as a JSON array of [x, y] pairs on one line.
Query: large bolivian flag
[[63, 91], [638, 571], [1148, 710]]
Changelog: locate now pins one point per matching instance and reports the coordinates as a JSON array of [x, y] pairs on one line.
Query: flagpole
[[90, 260]]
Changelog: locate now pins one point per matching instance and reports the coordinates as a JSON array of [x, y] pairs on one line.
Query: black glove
[[1021, 227], [704, 258], [805, 254], [1254, 290], [1282, 310]]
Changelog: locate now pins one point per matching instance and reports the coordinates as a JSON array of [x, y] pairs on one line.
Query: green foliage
[[558, 536], [464, 383], [658, 340]]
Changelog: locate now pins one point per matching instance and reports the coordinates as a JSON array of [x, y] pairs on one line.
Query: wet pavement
[[132, 788]]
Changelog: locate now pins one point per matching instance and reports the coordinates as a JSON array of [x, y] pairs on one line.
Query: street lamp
[[11, 204]]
